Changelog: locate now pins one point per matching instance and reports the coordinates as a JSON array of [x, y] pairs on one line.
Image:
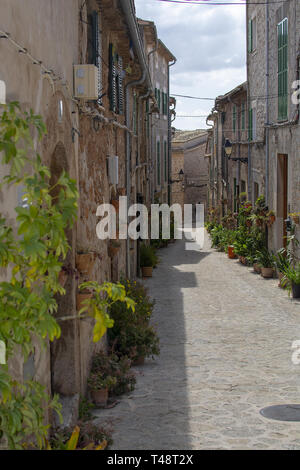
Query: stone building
[[189, 167], [100, 138], [273, 32], [228, 175], [160, 59]]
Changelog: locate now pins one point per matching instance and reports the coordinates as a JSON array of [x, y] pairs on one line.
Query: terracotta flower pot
[[267, 272], [62, 277], [113, 250], [231, 253], [80, 298], [100, 397], [85, 262], [139, 361], [116, 204], [257, 268], [243, 260], [147, 271]]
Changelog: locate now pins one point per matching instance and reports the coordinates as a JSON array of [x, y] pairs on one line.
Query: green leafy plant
[[265, 258], [117, 367], [132, 334], [281, 260], [148, 257], [98, 382], [85, 437], [34, 254]]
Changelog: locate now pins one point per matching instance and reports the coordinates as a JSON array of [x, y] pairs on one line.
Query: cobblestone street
[[226, 339]]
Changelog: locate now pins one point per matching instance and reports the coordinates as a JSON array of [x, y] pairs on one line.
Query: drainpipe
[[267, 104], [169, 134]]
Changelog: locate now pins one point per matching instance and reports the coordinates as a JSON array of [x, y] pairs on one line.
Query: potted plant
[[113, 248], [85, 262], [81, 297], [291, 280], [295, 217], [271, 218], [266, 261], [148, 260], [282, 263], [99, 387]]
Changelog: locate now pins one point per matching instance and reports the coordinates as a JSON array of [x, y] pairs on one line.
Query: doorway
[[282, 194]]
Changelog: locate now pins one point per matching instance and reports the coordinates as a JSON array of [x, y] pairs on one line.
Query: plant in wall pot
[[266, 261], [99, 387], [281, 263], [291, 280]]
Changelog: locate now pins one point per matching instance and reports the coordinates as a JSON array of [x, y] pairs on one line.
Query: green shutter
[[234, 118], [250, 125], [243, 117], [158, 99], [282, 37], [158, 162], [166, 161]]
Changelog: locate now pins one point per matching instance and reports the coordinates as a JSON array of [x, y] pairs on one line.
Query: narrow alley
[[226, 352]]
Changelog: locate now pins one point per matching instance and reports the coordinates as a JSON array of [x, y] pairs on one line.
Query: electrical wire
[[207, 2]]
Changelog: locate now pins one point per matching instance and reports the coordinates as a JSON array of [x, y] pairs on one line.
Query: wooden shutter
[[282, 37], [158, 162], [250, 125], [165, 161], [97, 52]]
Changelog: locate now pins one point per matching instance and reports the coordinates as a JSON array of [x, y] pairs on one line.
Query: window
[[166, 161], [95, 48], [158, 162], [234, 118], [256, 191], [243, 116], [115, 89], [282, 37], [252, 35], [252, 124]]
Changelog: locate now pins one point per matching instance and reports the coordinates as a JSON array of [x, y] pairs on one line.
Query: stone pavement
[[226, 337]]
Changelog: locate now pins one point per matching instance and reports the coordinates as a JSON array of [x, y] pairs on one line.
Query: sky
[[209, 42]]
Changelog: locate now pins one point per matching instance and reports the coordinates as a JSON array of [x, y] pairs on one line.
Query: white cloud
[[210, 45]]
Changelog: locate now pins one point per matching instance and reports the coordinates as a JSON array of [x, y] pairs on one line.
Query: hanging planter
[[63, 277], [85, 262], [113, 248], [80, 297]]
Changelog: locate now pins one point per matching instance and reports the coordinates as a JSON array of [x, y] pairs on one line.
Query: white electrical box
[[113, 169], [86, 82]]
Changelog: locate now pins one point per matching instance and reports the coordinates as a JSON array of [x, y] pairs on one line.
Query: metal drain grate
[[282, 412]]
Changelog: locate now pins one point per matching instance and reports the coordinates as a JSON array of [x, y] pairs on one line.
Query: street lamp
[[228, 152], [180, 174]]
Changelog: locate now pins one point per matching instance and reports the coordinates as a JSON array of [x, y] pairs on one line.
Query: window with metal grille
[[282, 37], [115, 89]]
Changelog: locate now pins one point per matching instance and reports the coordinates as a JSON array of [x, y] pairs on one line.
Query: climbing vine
[[32, 251]]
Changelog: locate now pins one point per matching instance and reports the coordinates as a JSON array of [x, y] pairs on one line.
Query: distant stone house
[[160, 59], [189, 168], [85, 135], [273, 58], [228, 174]]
